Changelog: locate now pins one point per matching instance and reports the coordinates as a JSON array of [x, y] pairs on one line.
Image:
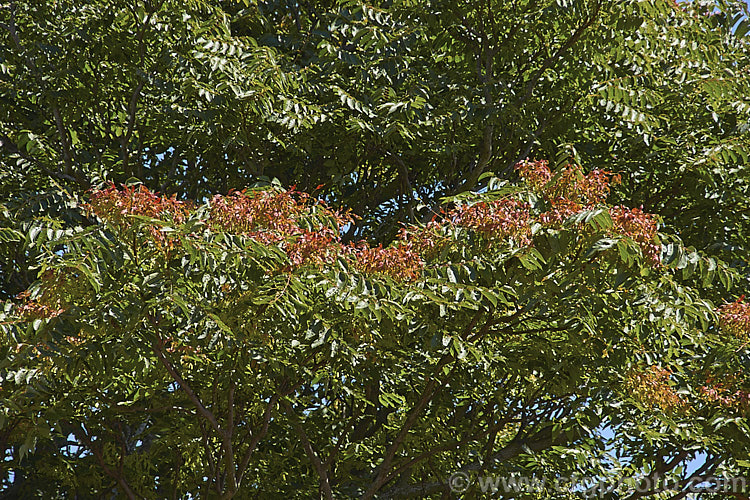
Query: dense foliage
[[177, 322], [186, 350]]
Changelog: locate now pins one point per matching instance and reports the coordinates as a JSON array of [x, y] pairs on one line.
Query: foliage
[[176, 323], [387, 106], [242, 348]]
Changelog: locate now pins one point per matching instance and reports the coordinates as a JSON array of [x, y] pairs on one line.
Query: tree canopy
[[180, 322]]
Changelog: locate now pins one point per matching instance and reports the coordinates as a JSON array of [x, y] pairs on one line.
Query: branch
[[486, 75], [64, 142], [62, 131], [406, 186], [272, 402], [143, 409], [257, 437], [447, 446], [325, 485], [530, 143], [485, 155], [12, 148], [210, 457], [427, 394], [431, 388], [706, 469], [551, 60], [224, 434], [653, 478], [100, 458], [539, 441], [132, 109], [11, 28], [228, 448], [185, 386], [346, 429], [133, 103]]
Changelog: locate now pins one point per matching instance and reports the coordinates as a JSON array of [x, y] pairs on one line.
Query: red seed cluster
[[652, 387], [276, 217], [561, 210], [735, 318], [399, 261], [639, 226], [428, 240], [593, 188], [34, 309], [318, 247], [569, 191], [570, 183], [496, 220], [47, 305], [115, 205], [725, 391], [267, 216], [310, 233], [536, 173]]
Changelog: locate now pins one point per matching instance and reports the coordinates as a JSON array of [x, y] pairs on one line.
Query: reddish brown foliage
[[49, 304], [569, 184], [428, 240], [275, 217], [400, 261], [735, 318], [535, 173], [266, 216], [34, 309], [560, 211], [569, 192], [639, 226], [321, 247], [115, 205], [652, 387], [725, 391], [309, 232], [496, 220]]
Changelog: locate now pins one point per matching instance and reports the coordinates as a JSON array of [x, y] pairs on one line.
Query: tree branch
[[59, 124], [325, 485], [541, 440], [447, 446], [653, 478], [551, 60], [132, 109], [257, 436], [228, 448], [12, 148], [107, 470], [428, 393], [224, 434], [135, 96], [157, 346], [406, 187], [210, 457]]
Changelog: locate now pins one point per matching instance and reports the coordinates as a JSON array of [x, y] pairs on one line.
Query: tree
[[215, 350], [209, 342], [385, 106]]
